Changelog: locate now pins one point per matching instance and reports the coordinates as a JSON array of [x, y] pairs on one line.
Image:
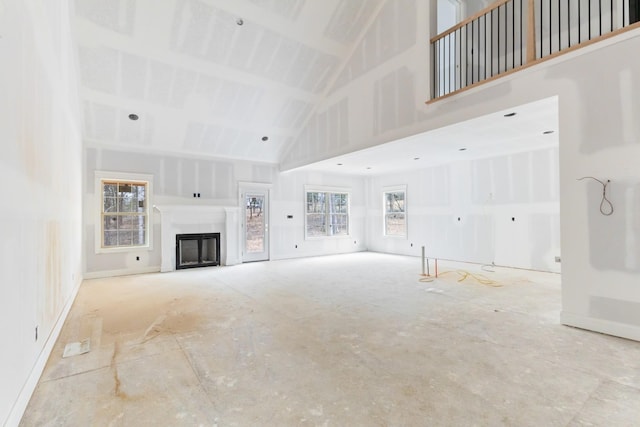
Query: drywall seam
[[20, 405], [284, 151]]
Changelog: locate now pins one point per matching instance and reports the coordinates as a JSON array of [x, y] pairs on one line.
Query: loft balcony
[[510, 35]]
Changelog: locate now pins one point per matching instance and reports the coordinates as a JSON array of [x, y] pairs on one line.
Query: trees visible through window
[[327, 213], [124, 214], [395, 220]]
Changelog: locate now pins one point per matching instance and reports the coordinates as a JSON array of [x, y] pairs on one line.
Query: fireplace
[[197, 250]]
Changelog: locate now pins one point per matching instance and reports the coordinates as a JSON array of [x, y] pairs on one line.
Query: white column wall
[[41, 169]]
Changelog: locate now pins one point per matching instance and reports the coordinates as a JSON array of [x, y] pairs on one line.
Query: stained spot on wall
[[53, 277]]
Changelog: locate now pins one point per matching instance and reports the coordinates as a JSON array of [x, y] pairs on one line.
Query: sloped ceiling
[[203, 84]]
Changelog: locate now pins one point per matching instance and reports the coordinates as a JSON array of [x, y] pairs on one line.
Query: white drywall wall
[[40, 219], [502, 209], [175, 179], [599, 101]]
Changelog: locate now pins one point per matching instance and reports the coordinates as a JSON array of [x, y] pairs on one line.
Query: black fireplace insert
[[197, 250]]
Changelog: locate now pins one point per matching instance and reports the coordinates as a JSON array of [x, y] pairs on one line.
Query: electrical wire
[[463, 275], [606, 207], [487, 267]]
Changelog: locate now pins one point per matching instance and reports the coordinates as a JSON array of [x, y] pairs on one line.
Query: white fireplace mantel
[[183, 219]]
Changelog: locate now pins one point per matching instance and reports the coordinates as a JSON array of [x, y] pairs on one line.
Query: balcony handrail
[[468, 20], [522, 33]]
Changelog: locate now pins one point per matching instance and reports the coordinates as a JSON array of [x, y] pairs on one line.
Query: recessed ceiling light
[[462, 149], [339, 164], [133, 117], [416, 158], [265, 138], [547, 132], [510, 114], [368, 167], [240, 21]]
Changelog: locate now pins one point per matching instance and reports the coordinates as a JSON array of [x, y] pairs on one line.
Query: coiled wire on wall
[[606, 207]]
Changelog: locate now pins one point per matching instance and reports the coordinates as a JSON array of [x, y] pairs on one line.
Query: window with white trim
[[395, 211], [124, 211], [327, 212]]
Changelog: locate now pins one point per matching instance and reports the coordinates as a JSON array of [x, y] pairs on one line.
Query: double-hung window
[[395, 211], [124, 211], [327, 212]]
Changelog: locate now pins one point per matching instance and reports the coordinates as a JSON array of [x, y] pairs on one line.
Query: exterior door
[[255, 225]]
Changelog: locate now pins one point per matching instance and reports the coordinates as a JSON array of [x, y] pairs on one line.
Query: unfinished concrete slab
[[330, 341]]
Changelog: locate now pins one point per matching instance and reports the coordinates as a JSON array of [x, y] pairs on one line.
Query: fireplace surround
[[199, 219]]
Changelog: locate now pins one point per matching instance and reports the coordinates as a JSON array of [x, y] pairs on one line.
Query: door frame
[[260, 188]]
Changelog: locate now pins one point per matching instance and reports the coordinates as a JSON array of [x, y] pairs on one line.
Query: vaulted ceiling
[[210, 77], [244, 79]]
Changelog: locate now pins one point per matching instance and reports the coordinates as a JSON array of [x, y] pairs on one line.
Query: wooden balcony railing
[[511, 34]]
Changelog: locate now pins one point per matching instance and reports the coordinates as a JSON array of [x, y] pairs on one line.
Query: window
[[124, 211], [395, 214], [327, 212]]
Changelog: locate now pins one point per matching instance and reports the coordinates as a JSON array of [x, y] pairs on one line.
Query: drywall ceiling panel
[[104, 122], [134, 76], [184, 82], [244, 46], [99, 68], [190, 26], [188, 61], [211, 139], [160, 82], [117, 15], [193, 136], [289, 9], [221, 37], [264, 54], [348, 20], [129, 131]]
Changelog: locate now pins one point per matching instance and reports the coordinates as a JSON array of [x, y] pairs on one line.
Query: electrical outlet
[[557, 259], [137, 258]]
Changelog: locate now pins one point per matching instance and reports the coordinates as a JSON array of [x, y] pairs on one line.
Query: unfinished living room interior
[[320, 213]]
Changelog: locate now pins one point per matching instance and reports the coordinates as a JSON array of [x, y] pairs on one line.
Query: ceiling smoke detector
[[265, 138], [240, 22], [133, 117]]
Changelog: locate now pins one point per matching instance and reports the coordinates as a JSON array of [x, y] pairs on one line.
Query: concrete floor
[[351, 340]]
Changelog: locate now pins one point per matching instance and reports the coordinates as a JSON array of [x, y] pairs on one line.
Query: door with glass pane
[[255, 225]]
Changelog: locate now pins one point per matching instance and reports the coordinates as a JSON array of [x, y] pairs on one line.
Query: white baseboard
[[20, 405], [600, 325], [122, 272], [296, 255]]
